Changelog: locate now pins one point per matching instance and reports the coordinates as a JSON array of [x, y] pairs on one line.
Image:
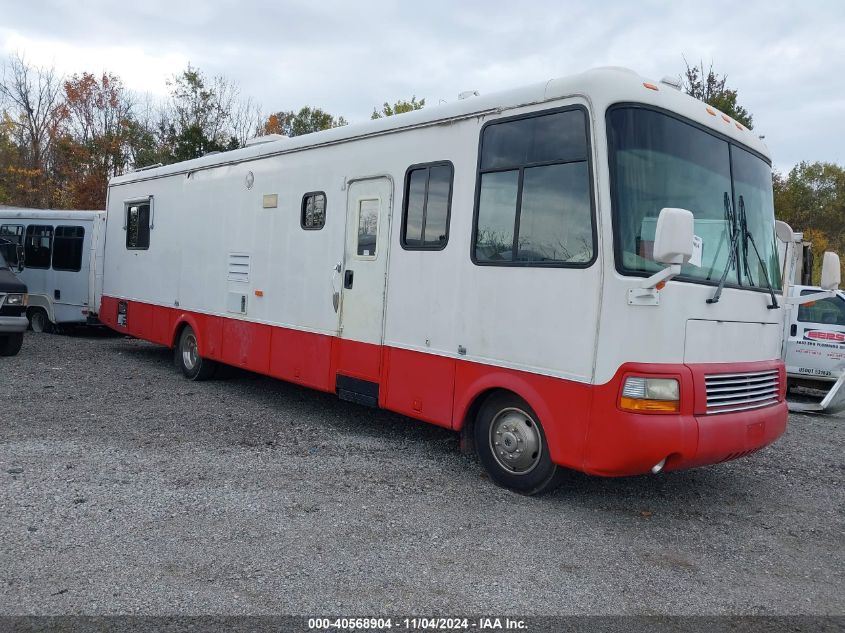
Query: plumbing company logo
[[823, 336]]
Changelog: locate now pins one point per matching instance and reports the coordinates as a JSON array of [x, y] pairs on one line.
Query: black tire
[[508, 418], [187, 358], [10, 344], [39, 321]]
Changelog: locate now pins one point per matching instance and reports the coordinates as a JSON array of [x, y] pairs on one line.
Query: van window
[[534, 202], [830, 311], [313, 216], [38, 246], [12, 232], [67, 248], [138, 225], [425, 215]]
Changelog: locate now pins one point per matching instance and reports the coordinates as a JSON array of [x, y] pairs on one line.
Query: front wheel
[[39, 321], [11, 344], [188, 359], [512, 446]]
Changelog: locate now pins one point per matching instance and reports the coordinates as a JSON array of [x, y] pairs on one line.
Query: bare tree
[[32, 96]]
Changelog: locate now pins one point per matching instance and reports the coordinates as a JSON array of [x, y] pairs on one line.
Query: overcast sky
[[784, 58]]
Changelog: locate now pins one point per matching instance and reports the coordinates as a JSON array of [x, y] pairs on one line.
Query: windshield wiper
[[730, 219], [746, 238]]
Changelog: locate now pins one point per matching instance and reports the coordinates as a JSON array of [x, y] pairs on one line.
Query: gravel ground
[[126, 489]]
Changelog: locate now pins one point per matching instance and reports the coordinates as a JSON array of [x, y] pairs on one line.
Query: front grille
[[740, 392], [12, 311]]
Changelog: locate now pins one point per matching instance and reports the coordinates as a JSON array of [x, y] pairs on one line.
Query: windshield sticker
[[697, 248]]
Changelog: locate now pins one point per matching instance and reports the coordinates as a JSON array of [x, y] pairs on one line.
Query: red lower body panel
[[585, 428]]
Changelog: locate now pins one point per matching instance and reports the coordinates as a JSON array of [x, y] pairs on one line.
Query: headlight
[[17, 300], [651, 394]]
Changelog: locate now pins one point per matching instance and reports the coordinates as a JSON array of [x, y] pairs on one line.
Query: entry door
[[365, 263]]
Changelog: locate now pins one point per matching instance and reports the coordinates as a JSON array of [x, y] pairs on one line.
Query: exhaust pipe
[[658, 466]]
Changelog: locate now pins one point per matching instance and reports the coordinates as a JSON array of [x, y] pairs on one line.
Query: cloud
[[349, 57]]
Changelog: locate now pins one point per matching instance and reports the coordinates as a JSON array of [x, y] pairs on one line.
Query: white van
[[60, 248], [815, 338]]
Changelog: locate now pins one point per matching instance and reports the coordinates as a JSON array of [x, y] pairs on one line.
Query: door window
[[368, 228], [829, 311]]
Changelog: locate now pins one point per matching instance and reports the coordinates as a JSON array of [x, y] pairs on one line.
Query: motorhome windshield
[[657, 161]]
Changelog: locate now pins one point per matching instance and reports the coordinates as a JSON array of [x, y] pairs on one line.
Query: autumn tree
[[398, 107], [306, 121], [811, 199], [30, 97], [711, 88], [93, 140]]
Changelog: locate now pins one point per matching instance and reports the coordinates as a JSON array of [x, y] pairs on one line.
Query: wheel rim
[[515, 441], [190, 353], [38, 321]]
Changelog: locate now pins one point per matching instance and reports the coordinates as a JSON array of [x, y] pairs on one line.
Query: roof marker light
[[650, 86], [711, 111], [726, 118], [738, 126]]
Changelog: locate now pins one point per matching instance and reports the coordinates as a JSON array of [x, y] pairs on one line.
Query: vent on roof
[[267, 138], [238, 267]]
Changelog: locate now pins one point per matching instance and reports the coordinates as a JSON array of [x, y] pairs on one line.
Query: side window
[[38, 246], [138, 225], [428, 200], [12, 232], [313, 216], [67, 248], [534, 201], [829, 311], [11, 239]]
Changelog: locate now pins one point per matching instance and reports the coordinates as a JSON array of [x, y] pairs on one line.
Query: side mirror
[[830, 271], [673, 236]]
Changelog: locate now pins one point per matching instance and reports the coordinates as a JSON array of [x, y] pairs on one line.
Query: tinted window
[[829, 311], [313, 211], [534, 201], [38, 246], [67, 248], [138, 225], [10, 236], [428, 193], [12, 232]]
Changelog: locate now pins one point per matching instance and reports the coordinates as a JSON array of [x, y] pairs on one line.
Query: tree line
[[62, 138]]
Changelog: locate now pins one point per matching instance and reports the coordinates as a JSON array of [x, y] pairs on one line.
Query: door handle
[[348, 278], [793, 330]]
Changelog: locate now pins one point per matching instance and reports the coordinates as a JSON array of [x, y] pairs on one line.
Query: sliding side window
[[38, 246], [313, 216], [67, 248], [138, 225], [428, 199], [534, 199]]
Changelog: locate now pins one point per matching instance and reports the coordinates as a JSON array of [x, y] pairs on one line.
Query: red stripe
[[585, 428]]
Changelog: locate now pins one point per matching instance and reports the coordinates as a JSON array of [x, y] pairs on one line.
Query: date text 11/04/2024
[[418, 624]]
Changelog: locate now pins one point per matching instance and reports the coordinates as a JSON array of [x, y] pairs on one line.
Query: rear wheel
[[39, 321], [10, 344], [188, 359], [512, 446]]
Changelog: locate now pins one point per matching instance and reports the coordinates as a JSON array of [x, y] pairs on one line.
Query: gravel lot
[[126, 489]]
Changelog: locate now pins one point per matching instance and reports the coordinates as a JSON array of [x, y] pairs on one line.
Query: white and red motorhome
[[512, 266]]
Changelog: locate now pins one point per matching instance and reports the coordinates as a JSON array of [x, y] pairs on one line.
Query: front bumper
[[623, 443], [12, 324]]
